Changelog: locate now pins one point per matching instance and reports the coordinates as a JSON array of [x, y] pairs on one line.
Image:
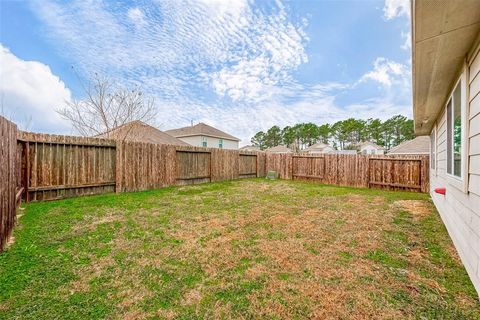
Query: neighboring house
[[368, 147], [318, 148], [203, 135], [343, 152], [249, 148], [279, 149], [446, 106], [418, 146], [139, 131]]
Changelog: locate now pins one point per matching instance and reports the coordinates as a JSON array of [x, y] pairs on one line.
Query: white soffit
[[443, 32]]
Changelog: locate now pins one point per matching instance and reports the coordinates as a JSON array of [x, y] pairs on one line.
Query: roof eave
[[443, 33]]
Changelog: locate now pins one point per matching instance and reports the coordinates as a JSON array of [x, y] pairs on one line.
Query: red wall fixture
[[441, 190]]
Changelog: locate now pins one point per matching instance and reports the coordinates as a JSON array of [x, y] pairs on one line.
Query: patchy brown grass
[[257, 249], [417, 208]]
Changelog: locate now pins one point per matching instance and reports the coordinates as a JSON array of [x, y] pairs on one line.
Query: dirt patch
[[280, 188], [88, 273], [4, 306], [192, 296], [91, 222], [10, 242], [416, 278], [131, 296], [166, 314], [417, 208]]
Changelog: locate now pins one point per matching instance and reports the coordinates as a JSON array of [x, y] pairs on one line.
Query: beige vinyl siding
[[474, 128], [460, 210], [212, 142]]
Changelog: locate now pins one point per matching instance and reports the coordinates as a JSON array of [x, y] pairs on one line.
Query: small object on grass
[[272, 175]]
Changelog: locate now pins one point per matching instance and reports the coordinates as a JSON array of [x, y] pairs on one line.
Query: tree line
[[342, 135]]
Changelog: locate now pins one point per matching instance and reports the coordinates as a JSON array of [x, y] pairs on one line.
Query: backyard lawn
[[232, 250]]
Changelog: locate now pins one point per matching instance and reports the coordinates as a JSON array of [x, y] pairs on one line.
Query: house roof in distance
[[419, 145], [250, 148], [369, 143], [200, 129], [279, 149], [139, 131], [317, 147]]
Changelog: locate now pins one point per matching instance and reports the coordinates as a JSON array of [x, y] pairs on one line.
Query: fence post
[[424, 175], [9, 179], [118, 166], [26, 183], [367, 179]]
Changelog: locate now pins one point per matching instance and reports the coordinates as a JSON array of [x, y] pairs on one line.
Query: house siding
[[460, 209], [369, 149], [325, 150], [211, 142]]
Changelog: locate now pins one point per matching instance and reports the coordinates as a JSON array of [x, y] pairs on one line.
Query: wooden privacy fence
[[10, 191], [63, 166], [363, 171], [54, 167]]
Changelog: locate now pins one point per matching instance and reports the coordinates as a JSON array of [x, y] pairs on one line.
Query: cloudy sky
[[240, 65]]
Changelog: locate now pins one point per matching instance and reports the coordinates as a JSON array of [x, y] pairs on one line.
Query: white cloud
[[136, 16], [194, 56], [396, 8], [387, 72], [400, 8], [227, 43], [278, 49], [29, 88], [227, 63], [234, 8], [407, 36]]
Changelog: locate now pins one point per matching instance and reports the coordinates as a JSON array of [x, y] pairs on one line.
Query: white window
[[220, 143], [204, 141], [455, 131], [433, 148]]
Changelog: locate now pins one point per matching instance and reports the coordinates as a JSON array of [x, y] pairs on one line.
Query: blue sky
[[240, 65]]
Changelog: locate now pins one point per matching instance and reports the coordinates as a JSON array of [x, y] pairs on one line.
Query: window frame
[[204, 142], [457, 181], [220, 143]]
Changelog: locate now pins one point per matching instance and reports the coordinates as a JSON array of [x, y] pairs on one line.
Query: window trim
[[204, 142], [458, 182], [434, 150], [220, 143]]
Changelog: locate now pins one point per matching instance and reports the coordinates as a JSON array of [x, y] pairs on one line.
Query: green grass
[[240, 249]]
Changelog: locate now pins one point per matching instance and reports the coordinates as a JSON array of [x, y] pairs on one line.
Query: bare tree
[[107, 106]]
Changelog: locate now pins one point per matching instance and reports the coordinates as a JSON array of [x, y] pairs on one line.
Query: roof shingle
[[139, 131], [419, 145], [200, 129], [279, 149]]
